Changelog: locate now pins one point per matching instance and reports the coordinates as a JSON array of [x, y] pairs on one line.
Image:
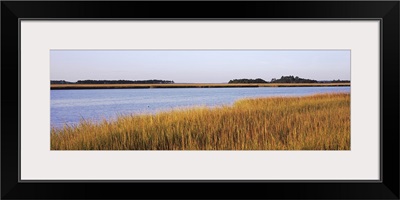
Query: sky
[[198, 66]]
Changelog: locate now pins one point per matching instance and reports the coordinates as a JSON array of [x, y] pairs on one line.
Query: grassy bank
[[318, 122], [189, 85]]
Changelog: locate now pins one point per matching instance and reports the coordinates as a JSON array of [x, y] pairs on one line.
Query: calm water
[[70, 106]]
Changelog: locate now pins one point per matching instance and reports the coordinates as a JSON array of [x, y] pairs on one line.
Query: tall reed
[[317, 122]]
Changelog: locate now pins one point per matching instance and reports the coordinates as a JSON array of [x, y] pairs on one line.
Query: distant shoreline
[[189, 85]]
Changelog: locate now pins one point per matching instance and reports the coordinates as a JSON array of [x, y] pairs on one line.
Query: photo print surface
[[200, 99]]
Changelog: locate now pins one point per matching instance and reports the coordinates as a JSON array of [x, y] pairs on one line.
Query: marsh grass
[[190, 85], [318, 122]]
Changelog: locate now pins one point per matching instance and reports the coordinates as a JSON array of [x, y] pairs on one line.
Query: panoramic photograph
[[200, 100]]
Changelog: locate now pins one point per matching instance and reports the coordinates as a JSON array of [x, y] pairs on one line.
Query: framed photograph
[[219, 99]]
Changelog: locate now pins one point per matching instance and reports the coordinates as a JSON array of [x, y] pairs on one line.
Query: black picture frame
[[386, 11]]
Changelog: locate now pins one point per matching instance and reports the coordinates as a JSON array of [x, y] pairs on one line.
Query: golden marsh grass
[[317, 122], [190, 85]]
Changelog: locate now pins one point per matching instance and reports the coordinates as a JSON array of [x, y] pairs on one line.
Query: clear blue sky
[[195, 66]]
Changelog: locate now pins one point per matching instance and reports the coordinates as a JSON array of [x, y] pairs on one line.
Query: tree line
[[154, 81], [283, 79], [258, 80], [293, 79], [286, 79]]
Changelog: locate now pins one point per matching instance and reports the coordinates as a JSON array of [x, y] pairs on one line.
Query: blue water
[[70, 106]]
